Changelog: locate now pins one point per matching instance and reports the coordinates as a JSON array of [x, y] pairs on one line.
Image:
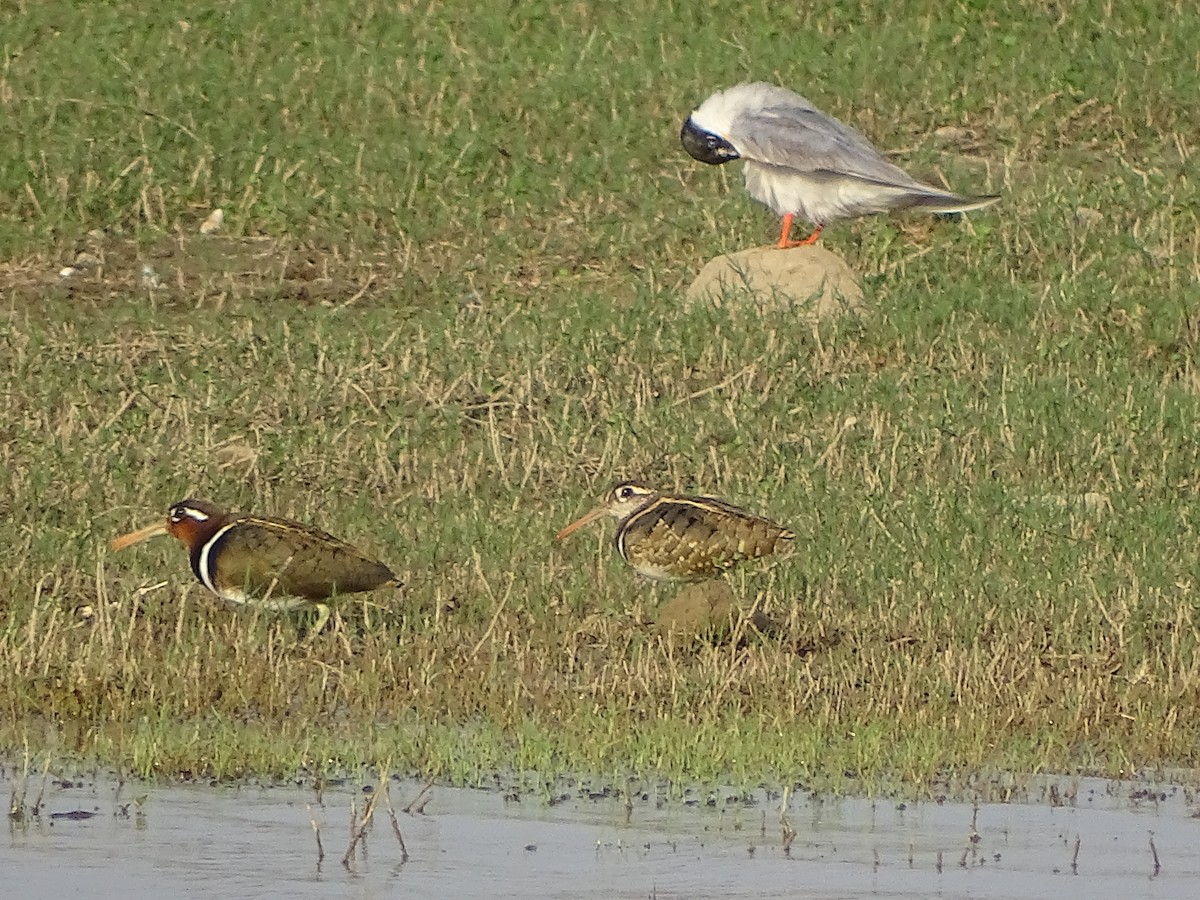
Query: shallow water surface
[[94, 838]]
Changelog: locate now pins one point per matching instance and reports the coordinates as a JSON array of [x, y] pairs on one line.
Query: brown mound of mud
[[812, 281]]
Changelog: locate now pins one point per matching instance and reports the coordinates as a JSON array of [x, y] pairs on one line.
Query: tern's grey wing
[[807, 140]]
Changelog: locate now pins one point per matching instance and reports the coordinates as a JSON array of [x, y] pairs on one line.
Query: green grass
[[446, 311]]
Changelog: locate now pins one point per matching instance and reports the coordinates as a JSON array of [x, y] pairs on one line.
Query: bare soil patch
[[196, 270]]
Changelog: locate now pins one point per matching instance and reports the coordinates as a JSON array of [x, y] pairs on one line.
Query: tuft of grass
[[445, 312]]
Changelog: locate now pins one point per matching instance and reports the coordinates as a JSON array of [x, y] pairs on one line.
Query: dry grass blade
[[16, 804], [789, 832], [387, 796], [424, 796], [37, 804], [358, 832], [317, 834]]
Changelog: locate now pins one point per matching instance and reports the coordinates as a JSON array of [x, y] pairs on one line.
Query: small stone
[[213, 222], [953, 134], [150, 278], [235, 455]]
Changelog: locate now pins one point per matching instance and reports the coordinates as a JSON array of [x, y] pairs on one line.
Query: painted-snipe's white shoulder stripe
[[206, 571]]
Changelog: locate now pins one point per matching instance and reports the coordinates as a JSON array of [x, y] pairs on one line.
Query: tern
[[802, 162]]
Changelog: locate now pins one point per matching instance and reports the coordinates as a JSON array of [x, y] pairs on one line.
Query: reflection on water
[[1081, 838]]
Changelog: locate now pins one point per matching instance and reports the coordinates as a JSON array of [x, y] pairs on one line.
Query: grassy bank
[[446, 310]]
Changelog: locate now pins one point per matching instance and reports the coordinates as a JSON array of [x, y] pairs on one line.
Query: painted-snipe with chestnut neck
[[263, 561]]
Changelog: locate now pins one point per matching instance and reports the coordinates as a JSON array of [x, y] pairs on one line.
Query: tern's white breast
[[820, 197]]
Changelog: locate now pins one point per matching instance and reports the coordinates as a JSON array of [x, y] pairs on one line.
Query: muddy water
[[93, 838]]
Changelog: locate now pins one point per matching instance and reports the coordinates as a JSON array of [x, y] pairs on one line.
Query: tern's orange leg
[[785, 236]]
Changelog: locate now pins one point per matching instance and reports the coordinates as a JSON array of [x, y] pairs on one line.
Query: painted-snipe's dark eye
[[625, 491]]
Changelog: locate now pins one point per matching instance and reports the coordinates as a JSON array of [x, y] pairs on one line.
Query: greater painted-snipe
[[664, 536], [263, 561]]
